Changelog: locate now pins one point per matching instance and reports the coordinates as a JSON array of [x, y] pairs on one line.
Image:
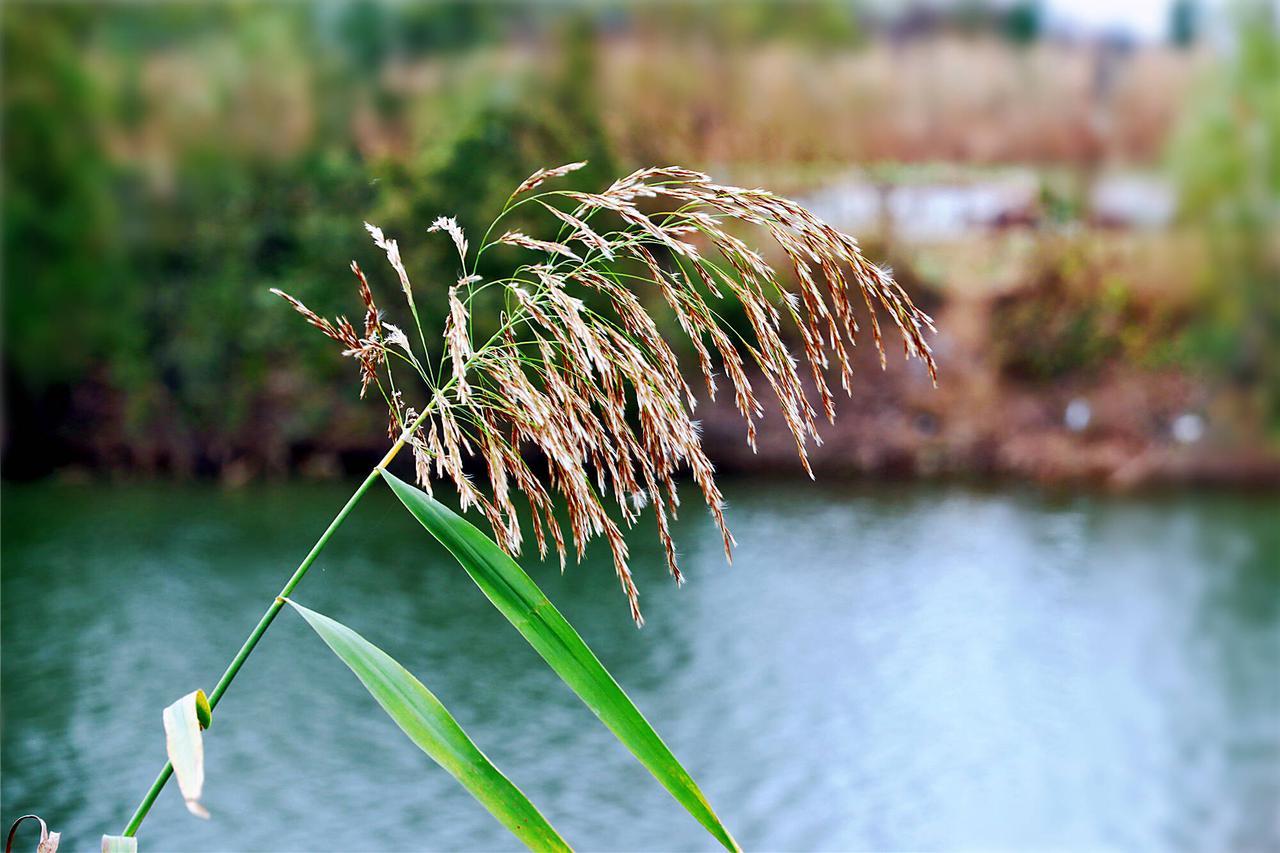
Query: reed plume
[[579, 371]]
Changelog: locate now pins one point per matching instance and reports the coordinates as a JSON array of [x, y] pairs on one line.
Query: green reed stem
[[264, 623], [269, 616]]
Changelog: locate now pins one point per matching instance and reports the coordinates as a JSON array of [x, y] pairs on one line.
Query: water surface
[[882, 668]]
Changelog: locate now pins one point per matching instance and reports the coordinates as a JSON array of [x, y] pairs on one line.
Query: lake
[[883, 667]]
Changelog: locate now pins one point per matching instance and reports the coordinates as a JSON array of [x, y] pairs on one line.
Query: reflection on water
[[882, 668]]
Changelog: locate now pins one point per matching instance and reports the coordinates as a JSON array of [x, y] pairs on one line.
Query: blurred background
[[1037, 606]]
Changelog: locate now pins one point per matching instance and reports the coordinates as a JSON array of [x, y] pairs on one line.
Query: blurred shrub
[[1226, 156], [1075, 315], [822, 24]]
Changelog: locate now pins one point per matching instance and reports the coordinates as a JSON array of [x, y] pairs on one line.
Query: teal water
[[883, 667]]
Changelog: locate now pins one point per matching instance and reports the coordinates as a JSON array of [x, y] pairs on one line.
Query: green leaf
[[183, 721], [520, 600], [119, 844], [420, 715]]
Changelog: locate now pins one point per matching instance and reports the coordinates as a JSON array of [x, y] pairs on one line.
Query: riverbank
[[1062, 363], [1041, 380], [1124, 431]]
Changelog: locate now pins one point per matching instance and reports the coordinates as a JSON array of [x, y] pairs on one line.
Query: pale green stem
[[269, 616]]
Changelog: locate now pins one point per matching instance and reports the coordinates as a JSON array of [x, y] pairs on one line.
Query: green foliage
[[1074, 316], [1023, 21], [1227, 160], [164, 167], [422, 717], [415, 709], [525, 606], [63, 271]]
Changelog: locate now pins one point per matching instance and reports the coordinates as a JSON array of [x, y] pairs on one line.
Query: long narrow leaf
[[429, 725], [520, 600]]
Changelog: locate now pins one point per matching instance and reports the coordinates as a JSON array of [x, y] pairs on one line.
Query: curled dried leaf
[[48, 842], [183, 722]]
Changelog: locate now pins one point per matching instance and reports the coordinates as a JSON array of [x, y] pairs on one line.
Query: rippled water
[[882, 668]]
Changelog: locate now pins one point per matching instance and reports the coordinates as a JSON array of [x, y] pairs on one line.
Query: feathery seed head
[[450, 226], [592, 385]]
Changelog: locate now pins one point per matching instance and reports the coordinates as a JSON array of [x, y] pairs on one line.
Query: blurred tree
[[1184, 22], [165, 166], [451, 25], [367, 34], [550, 119], [1023, 21], [62, 270]]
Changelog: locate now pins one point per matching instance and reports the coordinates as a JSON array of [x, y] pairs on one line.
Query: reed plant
[[569, 402]]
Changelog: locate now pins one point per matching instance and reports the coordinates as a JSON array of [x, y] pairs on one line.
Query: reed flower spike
[[578, 370]]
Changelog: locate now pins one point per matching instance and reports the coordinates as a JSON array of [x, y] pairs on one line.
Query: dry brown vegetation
[[957, 100], [963, 100], [967, 100], [1031, 323]]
